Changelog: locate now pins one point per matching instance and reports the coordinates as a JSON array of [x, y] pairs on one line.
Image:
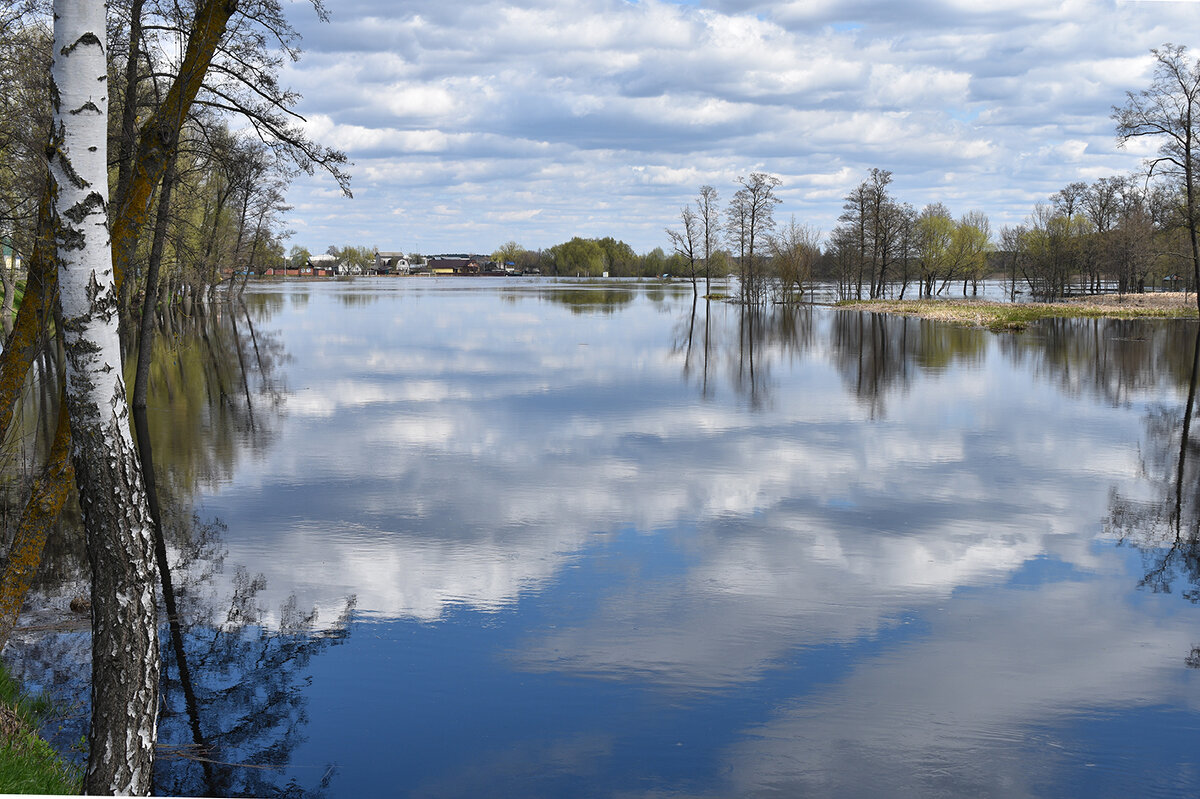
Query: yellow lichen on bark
[[32, 318]]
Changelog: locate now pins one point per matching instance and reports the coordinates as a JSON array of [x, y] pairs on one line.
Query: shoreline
[[1015, 317]]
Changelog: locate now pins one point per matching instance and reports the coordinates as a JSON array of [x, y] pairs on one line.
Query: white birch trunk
[[125, 666]]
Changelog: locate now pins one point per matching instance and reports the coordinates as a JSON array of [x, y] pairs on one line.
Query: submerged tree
[[794, 253], [709, 213], [749, 220], [688, 241]]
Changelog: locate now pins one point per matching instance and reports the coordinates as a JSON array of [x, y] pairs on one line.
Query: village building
[[454, 264], [391, 263]]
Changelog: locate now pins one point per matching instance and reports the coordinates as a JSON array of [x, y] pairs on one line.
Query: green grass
[[28, 765]]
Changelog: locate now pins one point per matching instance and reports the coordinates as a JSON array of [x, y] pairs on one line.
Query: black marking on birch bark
[[73, 176], [93, 290], [88, 106], [70, 239], [87, 38], [81, 385], [85, 207], [83, 347], [73, 324]]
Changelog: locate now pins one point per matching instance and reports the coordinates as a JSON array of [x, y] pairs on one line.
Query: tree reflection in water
[[1113, 359], [233, 706], [214, 394], [234, 672], [879, 353], [763, 336], [1166, 527]]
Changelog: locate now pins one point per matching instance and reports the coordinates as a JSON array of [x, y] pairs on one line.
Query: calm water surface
[[504, 538]]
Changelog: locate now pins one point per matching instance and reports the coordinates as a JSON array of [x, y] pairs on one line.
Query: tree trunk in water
[[149, 301], [120, 545]]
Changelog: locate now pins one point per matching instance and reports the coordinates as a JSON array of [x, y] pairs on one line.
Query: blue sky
[[474, 123]]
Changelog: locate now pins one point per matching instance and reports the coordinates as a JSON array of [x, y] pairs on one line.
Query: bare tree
[[749, 219], [794, 253], [688, 242], [871, 232], [709, 212], [1169, 111]]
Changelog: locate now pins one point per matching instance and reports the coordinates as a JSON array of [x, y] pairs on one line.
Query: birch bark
[[125, 666]]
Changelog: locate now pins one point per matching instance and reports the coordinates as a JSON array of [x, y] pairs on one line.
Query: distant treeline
[[1119, 233]]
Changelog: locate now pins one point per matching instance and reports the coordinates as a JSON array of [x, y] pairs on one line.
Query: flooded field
[[438, 537]]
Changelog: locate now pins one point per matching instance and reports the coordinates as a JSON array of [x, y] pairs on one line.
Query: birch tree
[[125, 666]]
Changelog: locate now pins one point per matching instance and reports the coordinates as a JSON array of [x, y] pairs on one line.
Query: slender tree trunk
[[128, 139], [1186, 435], [10, 287], [1189, 177], [120, 544], [150, 298]]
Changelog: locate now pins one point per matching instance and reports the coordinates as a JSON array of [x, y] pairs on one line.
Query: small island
[[1017, 316]]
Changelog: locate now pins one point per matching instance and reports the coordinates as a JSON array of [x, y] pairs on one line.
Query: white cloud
[[547, 109]]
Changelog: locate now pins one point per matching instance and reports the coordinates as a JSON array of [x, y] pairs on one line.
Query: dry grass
[[1009, 316]]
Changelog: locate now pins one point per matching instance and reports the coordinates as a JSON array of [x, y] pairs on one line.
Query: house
[[391, 263], [324, 263], [454, 264]]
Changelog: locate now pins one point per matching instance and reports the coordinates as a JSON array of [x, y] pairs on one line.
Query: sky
[[470, 124]]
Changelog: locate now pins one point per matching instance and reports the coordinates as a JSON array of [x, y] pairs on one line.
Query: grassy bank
[[28, 765], [1010, 316]]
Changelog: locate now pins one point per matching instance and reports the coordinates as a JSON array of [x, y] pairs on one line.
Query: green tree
[[618, 256], [970, 246], [298, 256], [507, 253], [934, 233], [579, 257]]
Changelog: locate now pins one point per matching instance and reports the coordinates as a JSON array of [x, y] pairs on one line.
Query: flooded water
[[441, 537]]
